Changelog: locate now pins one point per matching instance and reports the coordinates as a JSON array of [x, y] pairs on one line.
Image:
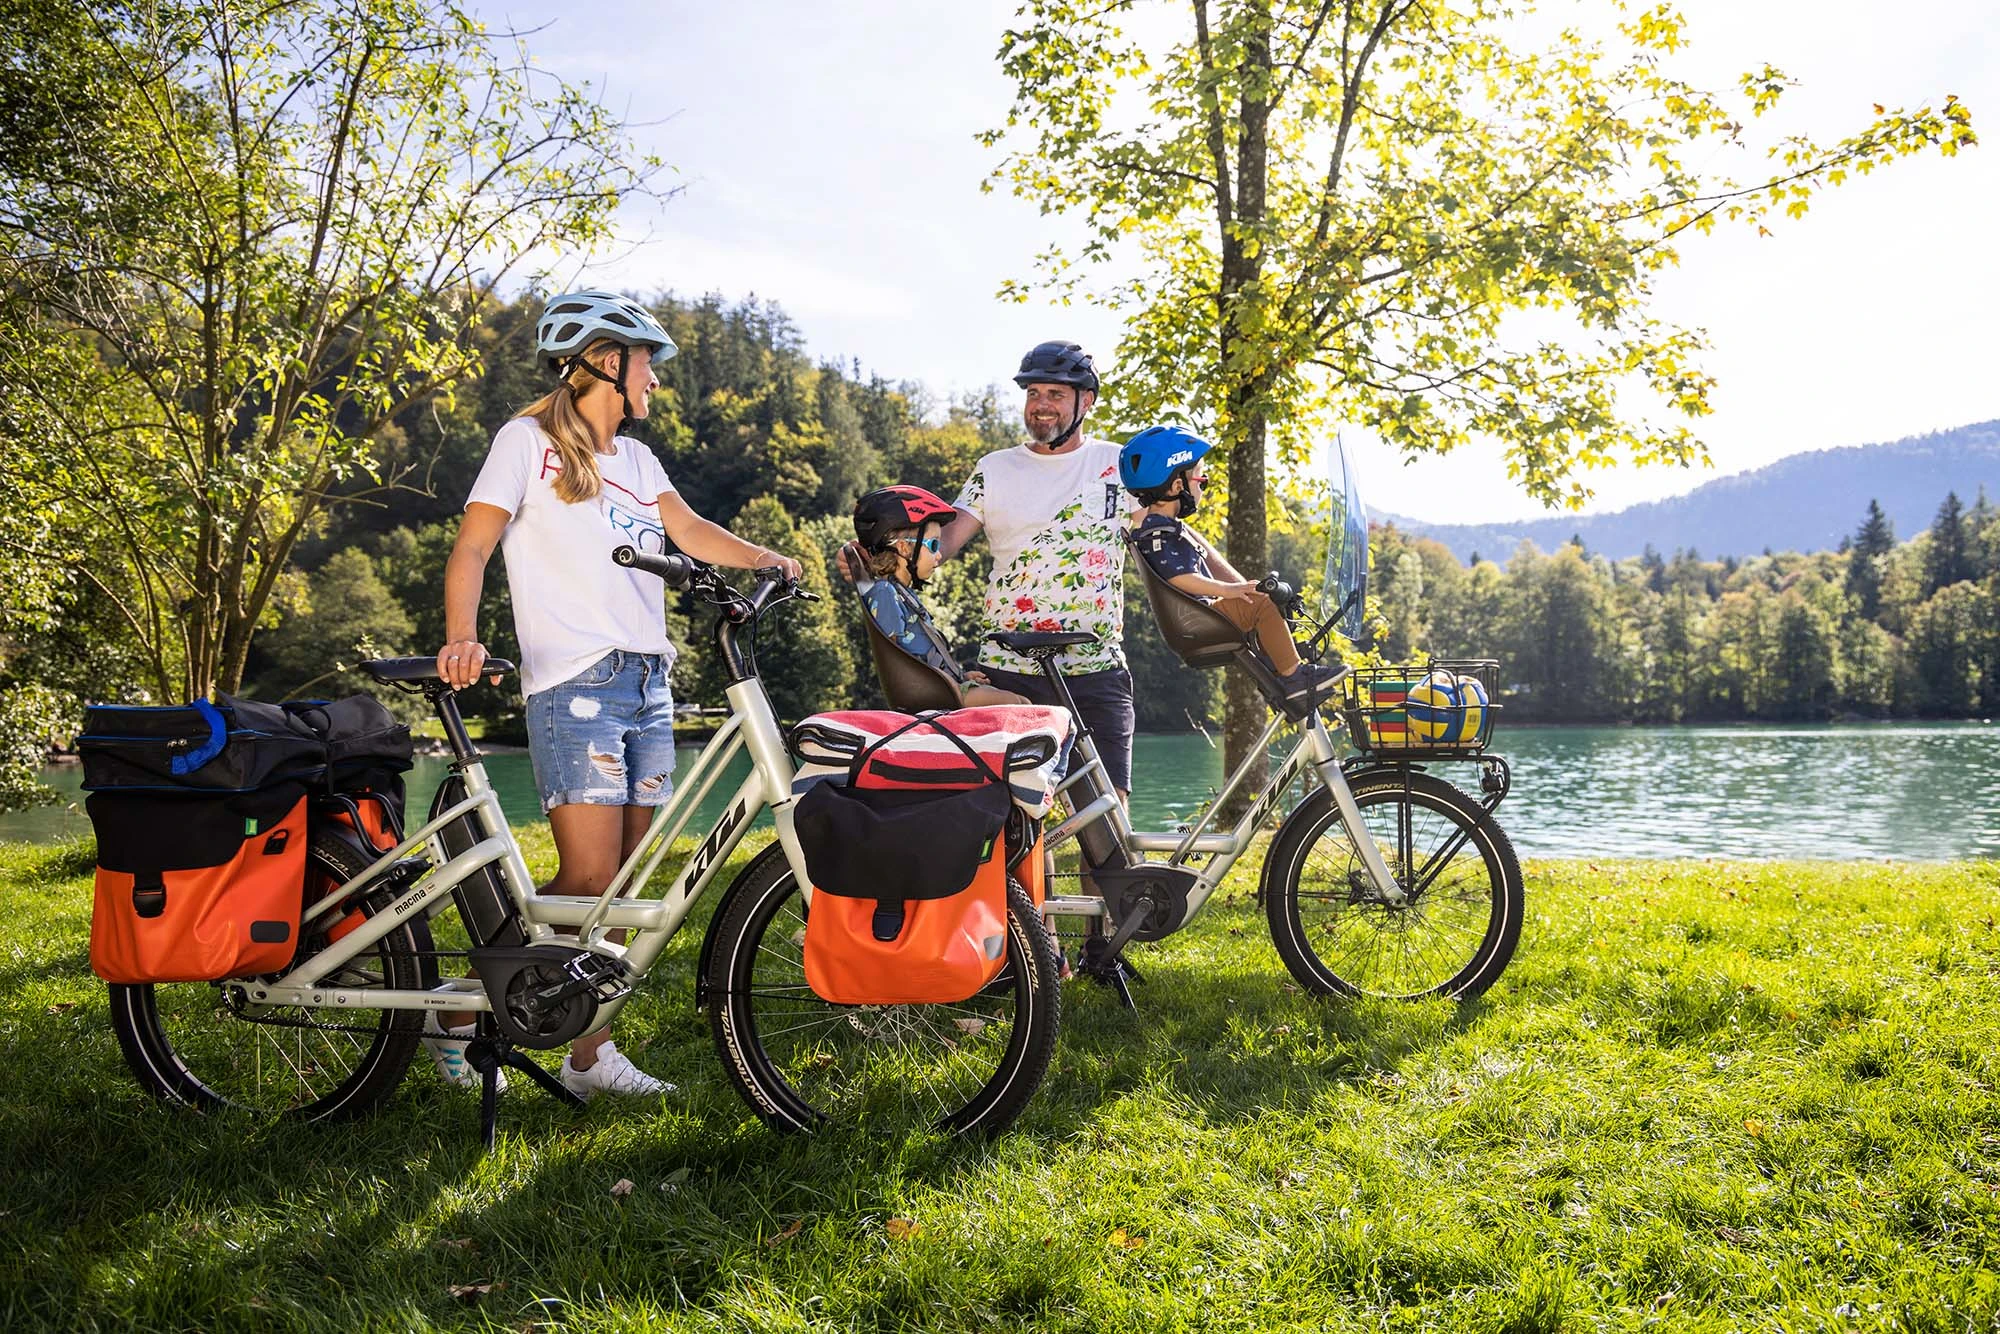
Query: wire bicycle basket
[[1422, 709]]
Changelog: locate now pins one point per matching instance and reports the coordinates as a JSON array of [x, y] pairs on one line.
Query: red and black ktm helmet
[[880, 513]]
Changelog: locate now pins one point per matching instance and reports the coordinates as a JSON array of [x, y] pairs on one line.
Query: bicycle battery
[[481, 897]]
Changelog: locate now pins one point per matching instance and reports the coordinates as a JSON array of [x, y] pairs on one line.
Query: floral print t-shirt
[[1055, 523]]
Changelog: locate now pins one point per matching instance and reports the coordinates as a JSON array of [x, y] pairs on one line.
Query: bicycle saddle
[[423, 669], [1030, 641]]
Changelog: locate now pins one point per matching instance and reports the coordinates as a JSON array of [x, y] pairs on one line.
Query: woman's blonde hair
[[576, 444]]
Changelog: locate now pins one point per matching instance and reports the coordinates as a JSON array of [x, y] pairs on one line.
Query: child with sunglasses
[[897, 528]]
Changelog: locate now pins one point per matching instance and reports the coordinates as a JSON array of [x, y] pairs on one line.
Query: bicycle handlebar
[[675, 571]]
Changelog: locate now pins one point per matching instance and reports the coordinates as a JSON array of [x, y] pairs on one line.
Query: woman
[[559, 490]]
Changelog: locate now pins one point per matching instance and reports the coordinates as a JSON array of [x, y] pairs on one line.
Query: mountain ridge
[[1808, 501]]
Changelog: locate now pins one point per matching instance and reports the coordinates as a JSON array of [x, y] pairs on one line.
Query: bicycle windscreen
[[1344, 590]]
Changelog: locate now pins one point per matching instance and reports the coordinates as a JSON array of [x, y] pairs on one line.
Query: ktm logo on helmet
[[1185, 456]]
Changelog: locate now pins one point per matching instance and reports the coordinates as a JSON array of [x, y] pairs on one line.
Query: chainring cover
[[1167, 886], [547, 995]]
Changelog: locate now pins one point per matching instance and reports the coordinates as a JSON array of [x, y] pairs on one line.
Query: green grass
[[1705, 1097]]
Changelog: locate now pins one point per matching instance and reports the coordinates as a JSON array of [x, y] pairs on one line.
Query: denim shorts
[[1103, 701], [605, 737]]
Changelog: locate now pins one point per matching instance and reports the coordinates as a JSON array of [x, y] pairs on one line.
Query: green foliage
[[282, 230], [1340, 210], [349, 614], [34, 719], [804, 655]]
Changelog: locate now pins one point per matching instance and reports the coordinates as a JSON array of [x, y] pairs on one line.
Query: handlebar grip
[[675, 571]]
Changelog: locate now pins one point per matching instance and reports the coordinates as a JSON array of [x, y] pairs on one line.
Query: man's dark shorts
[[1104, 699]]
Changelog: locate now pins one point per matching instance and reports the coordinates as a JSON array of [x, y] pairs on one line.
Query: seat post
[[445, 700], [1058, 683]]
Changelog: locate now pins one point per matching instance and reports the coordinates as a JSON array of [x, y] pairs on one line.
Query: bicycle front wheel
[[187, 1043], [801, 1062], [1449, 930]]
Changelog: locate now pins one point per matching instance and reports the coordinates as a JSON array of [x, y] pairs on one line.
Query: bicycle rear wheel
[[1454, 929], [188, 1044], [800, 1061]]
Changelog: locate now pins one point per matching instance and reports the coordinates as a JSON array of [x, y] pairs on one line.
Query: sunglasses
[[929, 544]]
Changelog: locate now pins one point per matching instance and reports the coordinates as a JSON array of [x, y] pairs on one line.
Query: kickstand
[[1107, 969], [487, 1053]]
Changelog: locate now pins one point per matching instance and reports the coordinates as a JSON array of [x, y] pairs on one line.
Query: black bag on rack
[[203, 813], [232, 745]]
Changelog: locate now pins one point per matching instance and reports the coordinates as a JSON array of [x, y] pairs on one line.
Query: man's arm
[[962, 529]]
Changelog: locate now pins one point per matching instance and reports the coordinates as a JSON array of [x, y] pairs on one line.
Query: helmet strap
[[1074, 422], [580, 362], [1184, 502]]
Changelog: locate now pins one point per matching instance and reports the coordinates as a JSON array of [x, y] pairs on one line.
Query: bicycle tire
[[1455, 933], [187, 1045], [964, 1068]]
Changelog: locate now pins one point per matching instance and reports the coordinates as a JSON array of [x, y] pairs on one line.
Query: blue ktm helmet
[[1148, 463]]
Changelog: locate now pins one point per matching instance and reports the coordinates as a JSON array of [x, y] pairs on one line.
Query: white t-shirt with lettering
[[572, 605], [1055, 523]]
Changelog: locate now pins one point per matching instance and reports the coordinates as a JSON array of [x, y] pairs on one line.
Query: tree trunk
[[1244, 710]]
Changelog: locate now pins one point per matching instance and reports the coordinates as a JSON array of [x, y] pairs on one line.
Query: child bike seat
[[1202, 637], [910, 684], [1197, 632]]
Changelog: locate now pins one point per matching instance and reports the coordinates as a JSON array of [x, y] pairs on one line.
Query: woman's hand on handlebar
[[769, 559], [459, 662]]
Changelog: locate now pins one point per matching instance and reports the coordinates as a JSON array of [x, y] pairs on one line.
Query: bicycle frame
[[652, 921], [1101, 807]]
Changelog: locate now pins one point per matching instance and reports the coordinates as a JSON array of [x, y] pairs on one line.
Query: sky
[[825, 159]]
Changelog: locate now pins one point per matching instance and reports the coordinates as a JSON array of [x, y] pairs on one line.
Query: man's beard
[[1045, 431]]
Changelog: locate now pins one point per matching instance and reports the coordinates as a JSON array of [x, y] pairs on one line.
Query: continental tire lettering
[[712, 845]]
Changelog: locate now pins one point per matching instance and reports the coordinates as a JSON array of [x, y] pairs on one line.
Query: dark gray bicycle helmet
[[1057, 363]]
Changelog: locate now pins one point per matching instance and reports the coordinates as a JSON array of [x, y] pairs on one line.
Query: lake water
[[1923, 791]]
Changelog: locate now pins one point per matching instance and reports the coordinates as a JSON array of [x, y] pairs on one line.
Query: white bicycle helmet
[[573, 321]]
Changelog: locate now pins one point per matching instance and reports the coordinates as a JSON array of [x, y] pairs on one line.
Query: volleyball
[[1472, 708], [1435, 710]]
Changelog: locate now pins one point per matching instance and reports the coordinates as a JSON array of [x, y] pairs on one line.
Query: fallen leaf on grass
[[1735, 1236], [1664, 1300], [1127, 1240], [472, 1292], [1756, 1129], [466, 1244], [674, 1180], [61, 1006], [1048, 1243], [902, 1229], [786, 1233], [969, 1026], [620, 1188]]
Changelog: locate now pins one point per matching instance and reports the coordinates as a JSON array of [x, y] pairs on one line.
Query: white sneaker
[[447, 1047], [613, 1073]]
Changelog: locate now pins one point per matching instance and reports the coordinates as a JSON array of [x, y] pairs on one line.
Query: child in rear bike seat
[[898, 528], [1162, 468]]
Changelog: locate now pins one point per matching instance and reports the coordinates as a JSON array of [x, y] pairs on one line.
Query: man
[[1054, 513]]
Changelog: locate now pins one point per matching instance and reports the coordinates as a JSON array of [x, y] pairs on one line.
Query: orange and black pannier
[[197, 890], [204, 814], [909, 854]]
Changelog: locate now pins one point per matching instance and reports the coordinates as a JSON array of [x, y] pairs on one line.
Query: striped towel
[[1022, 742]]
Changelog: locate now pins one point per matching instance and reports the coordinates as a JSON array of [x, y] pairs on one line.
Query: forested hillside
[[1874, 629]]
